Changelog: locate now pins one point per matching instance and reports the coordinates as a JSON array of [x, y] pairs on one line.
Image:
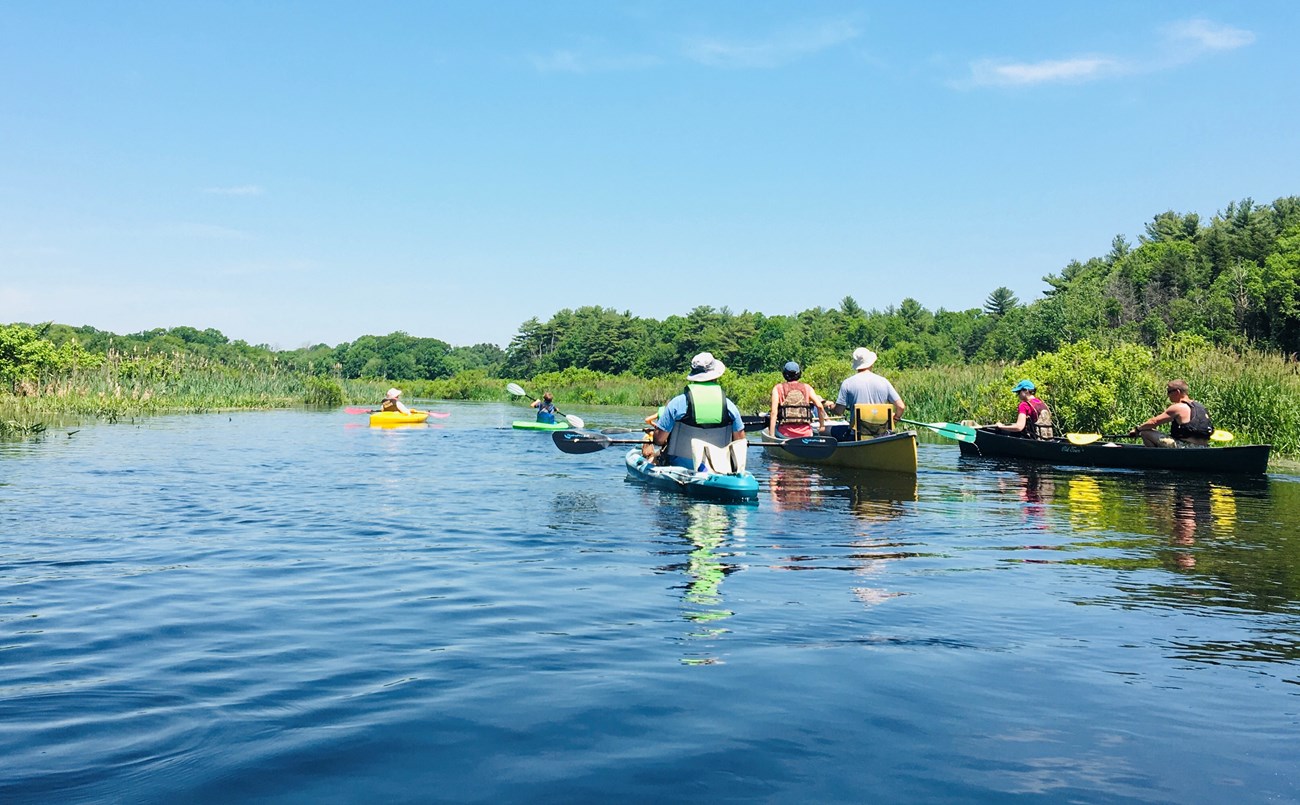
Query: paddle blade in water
[[573, 420], [577, 442]]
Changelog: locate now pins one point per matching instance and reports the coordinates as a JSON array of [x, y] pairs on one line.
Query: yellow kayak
[[381, 419]]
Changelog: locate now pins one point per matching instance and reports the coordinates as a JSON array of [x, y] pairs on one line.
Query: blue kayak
[[740, 487]]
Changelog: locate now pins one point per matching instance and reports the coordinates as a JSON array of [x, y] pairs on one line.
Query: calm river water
[[290, 606]]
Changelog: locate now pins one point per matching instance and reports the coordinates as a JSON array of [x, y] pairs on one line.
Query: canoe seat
[[873, 419], [724, 460]]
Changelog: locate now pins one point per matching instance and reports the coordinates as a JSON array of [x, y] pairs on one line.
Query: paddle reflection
[[709, 528]]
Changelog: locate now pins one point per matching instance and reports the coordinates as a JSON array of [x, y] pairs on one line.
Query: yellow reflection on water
[[1083, 494], [1223, 511]]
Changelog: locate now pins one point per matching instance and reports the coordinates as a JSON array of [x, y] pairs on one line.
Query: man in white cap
[[391, 403], [865, 386], [702, 411]]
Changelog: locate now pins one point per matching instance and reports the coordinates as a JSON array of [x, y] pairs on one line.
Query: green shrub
[[323, 391]]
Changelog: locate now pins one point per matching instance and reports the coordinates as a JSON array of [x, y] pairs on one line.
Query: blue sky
[[297, 173]]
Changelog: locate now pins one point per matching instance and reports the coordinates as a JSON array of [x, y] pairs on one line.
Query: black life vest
[[1198, 426]]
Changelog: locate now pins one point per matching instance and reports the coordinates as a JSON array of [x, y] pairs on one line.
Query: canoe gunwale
[[1237, 460], [887, 453]]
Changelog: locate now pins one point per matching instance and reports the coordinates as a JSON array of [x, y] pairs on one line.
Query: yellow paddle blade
[[1082, 438], [1221, 436]]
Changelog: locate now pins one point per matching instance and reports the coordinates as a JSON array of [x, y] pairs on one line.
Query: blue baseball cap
[[1023, 385]]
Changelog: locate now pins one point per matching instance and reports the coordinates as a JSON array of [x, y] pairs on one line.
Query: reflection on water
[[870, 495], [341, 615], [708, 530], [874, 500]]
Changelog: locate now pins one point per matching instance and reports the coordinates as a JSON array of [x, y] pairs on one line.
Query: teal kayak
[[737, 487], [532, 424]]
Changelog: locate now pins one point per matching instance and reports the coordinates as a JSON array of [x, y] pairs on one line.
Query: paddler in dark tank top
[[1190, 424]]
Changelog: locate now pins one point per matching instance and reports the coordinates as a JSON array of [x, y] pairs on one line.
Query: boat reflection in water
[[876, 500], [709, 530], [870, 495]]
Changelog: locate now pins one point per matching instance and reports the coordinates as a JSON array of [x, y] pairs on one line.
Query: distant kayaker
[[1190, 424], [866, 387], [792, 406], [545, 408], [391, 403], [702, 412], [1033, 417]]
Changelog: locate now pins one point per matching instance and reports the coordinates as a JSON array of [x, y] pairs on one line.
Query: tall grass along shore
[[1255, 395]]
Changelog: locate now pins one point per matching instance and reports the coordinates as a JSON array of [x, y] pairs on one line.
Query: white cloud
[[1182, 42], [1209, 35], [236, 190], [992, 73], [773, 51]]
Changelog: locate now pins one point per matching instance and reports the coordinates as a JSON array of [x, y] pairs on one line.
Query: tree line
[[1233, 280]]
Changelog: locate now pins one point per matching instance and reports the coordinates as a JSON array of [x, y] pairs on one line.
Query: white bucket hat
[[393, 394], [705, 367], [863, 358]]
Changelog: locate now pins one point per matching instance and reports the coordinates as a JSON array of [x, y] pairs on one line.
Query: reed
[[1255, 395]]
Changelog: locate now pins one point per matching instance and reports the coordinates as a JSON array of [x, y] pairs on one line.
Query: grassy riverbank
[[1255, 395]]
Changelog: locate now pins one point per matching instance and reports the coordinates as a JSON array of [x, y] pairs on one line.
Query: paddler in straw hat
[[865, 386], [701, 411], [391, 403]]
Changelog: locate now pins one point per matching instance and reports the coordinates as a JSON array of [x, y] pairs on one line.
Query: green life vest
[[706, 405]]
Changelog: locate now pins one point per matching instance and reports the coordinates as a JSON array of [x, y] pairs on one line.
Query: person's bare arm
[[1159, 419]]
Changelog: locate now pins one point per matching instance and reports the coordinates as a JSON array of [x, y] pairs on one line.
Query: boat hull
[[384, 419], [740, 487], [893, 453], [1244, 460], [532, 424]]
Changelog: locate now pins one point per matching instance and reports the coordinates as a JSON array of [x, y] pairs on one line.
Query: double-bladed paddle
[[1089, 438], [352, 409], [515, 389], [813, 447], [961, 433]]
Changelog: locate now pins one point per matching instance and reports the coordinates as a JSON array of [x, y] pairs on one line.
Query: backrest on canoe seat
[[873, 419], [727, 460]]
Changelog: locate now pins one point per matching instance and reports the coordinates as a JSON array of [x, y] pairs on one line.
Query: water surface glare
[[291, 606]]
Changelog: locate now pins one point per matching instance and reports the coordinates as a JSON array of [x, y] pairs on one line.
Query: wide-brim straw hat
[[863, 358], [705, 367]]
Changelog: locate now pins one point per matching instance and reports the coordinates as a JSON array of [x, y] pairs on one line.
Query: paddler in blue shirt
[[702, 411]]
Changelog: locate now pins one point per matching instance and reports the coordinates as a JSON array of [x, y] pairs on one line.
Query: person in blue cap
[[1033, 417], [793, 405]]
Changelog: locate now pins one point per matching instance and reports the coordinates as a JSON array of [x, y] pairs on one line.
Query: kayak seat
[[728, 460], [873, 419]]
